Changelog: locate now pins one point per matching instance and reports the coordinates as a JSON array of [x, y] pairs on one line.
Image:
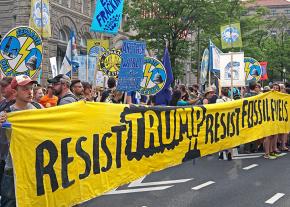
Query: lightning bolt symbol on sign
[[24, 52], [247, 68], [147, 73]]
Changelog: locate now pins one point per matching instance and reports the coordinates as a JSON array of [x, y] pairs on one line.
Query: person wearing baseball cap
[[61, 88], [22, 85]]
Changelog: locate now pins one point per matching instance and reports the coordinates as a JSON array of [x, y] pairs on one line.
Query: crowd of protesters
[[21, 93]]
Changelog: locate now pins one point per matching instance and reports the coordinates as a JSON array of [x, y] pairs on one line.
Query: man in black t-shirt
[[106, 93]]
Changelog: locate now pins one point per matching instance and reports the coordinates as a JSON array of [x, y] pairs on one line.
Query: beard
[[57, 92]]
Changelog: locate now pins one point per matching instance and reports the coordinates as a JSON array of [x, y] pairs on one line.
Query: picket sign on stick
[[87, 69], [232, 79], [97, 64], [220, 87]]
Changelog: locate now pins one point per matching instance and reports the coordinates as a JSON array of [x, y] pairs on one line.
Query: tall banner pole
[[41, 35], [71, 56], [209, 78], [232, 80], [98, 60], [219, 85], [232, 70], [87, 69]]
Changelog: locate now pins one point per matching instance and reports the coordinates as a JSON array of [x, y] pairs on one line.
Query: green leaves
[[175, 21]]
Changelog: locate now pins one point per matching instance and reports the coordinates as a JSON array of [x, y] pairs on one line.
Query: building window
[[273, 12], [287, 11], [63, 36]]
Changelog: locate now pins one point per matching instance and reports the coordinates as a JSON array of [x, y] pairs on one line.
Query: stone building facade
[[66, 16]]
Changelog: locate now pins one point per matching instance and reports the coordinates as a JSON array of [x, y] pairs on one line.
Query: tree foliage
[[187, 26]]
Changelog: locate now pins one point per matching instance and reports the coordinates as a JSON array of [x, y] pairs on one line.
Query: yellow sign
[[40, 17], [110, 62], [154, 77], [66, 155], [96, 46], [21, 52], [253, 69]]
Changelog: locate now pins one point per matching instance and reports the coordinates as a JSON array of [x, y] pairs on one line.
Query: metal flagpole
[[41, 35], [98, 61], [87, 69], [71, 55], [232, 80], [209, 78]]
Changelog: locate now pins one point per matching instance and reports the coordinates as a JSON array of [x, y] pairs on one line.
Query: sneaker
[[270, 157], [275, 154]]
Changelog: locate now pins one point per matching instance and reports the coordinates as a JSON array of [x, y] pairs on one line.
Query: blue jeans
[[7, 191]]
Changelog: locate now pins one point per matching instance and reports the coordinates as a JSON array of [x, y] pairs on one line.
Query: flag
[[164, 96], [40, 17], [231, 36], [214, 57], [108, 16], [70, 63], [204, 66], [264, 75]]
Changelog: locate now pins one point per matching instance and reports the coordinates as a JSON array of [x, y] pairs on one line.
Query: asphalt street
[[246, 181]]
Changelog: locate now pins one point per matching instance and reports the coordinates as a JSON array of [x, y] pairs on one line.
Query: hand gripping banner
[[69, 154]]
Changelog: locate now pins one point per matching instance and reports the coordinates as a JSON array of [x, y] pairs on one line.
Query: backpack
[[36, 105], [68, 95], [5, 106]]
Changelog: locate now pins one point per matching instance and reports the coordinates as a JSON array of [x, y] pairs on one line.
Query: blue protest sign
[[92, 64], [131, 71], [87, 67], [82, 70], [108, 16]]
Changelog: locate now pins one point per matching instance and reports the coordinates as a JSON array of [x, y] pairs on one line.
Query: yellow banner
[[94, 46], [70, 154], [40, 17]]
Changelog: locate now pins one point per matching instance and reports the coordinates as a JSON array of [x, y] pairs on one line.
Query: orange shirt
[[48, 102]]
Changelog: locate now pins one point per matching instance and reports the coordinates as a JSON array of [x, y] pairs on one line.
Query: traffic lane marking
[[203, 185], [138, 183], [275, 198], [138, 190], [250, 167]]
